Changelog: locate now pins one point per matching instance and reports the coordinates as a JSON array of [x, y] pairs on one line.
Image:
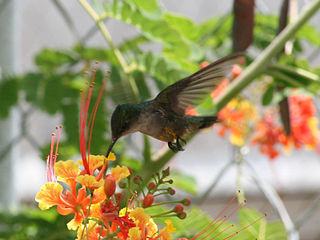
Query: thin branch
[[107, 36], [276, 203], [65, 15], [199, 200], [308, 213], [255, 68]]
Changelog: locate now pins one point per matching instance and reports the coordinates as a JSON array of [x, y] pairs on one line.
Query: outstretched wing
[[190, 91]]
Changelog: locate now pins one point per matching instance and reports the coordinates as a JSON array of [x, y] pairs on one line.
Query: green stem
[[107, 36], [244, 79], [261, 62], [239, 160]]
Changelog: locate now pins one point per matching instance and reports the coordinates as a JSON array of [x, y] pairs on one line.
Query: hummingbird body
[[164, 117], [163, 124]]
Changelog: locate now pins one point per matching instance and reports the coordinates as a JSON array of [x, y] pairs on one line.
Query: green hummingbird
[[164, 116]]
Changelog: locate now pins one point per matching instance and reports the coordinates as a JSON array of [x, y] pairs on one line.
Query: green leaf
[[144, 91], [184, 25], [30, 84], [247, 216], [95, 54], [8, 95], [49, 59], [53, 94], [70, 113], [184, 182], [310, 33], [268, 95], [149, 6], [276, 231]]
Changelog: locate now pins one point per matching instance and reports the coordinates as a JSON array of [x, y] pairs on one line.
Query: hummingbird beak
[[110, 147]]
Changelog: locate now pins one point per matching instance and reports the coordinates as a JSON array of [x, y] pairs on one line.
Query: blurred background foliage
[[137, 74]]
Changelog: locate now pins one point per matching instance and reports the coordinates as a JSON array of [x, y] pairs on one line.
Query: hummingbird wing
[[190, 91]]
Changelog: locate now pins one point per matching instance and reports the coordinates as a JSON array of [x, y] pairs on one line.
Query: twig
[[65, 15], [276, 203], [215, 181], [255, 68], [307, 214]]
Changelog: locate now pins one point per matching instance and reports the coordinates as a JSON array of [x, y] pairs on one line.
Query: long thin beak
[[110, 147]]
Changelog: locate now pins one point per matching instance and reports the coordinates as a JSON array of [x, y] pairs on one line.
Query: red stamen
[[232, 235], [214, 220], [225, 219], [50, 172], [230, 226], [81, 132], [95, 108], [57, 145]]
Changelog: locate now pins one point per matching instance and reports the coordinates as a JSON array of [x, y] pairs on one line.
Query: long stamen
[[214, 220], [236, 233], [50, 160], [94, 111], [225, 219], [57, 145], [81, 132]]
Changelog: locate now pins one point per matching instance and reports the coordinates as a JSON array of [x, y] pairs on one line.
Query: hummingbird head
[[123, 121]]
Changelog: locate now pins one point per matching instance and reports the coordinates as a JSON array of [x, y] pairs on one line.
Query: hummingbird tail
[[208, 121]]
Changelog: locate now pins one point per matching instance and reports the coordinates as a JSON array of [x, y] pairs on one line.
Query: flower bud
[[137, 179], [152, 186], [148, 200], [178, 208], [122, 184], [182, 215], [172, 191], [186, 201], [130, 170], [170, 181], [109, 185], [166, 172]]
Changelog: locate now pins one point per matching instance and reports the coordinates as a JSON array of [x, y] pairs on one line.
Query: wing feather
[[191, 90]]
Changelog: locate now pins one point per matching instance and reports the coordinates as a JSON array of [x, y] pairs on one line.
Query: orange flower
[[267, 135], [120, 172]]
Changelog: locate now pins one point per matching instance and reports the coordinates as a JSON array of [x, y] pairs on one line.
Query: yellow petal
[[66, 170], [89, 181], [75, 223], [139, 216], [91, 226], [134, 233], [236, 140], [169, 226], [49, 195], [97, 161], [98, 195], [120, 172], [152, 228]]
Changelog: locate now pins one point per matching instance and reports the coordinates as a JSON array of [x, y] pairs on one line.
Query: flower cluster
[[269, 135], [88, 189], [240, 118]]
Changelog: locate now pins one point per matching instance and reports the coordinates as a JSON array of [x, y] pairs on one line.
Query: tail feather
[[208, 121]]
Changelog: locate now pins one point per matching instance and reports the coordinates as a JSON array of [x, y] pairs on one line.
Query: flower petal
[[89, 181], [134, 233], [120, 172], [49, 195], [66, 170]]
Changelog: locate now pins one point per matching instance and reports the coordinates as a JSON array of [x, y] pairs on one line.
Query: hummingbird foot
[[175, 147], [179, 146]]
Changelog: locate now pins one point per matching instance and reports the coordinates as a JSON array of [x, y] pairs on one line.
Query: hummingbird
[[164, 116]]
